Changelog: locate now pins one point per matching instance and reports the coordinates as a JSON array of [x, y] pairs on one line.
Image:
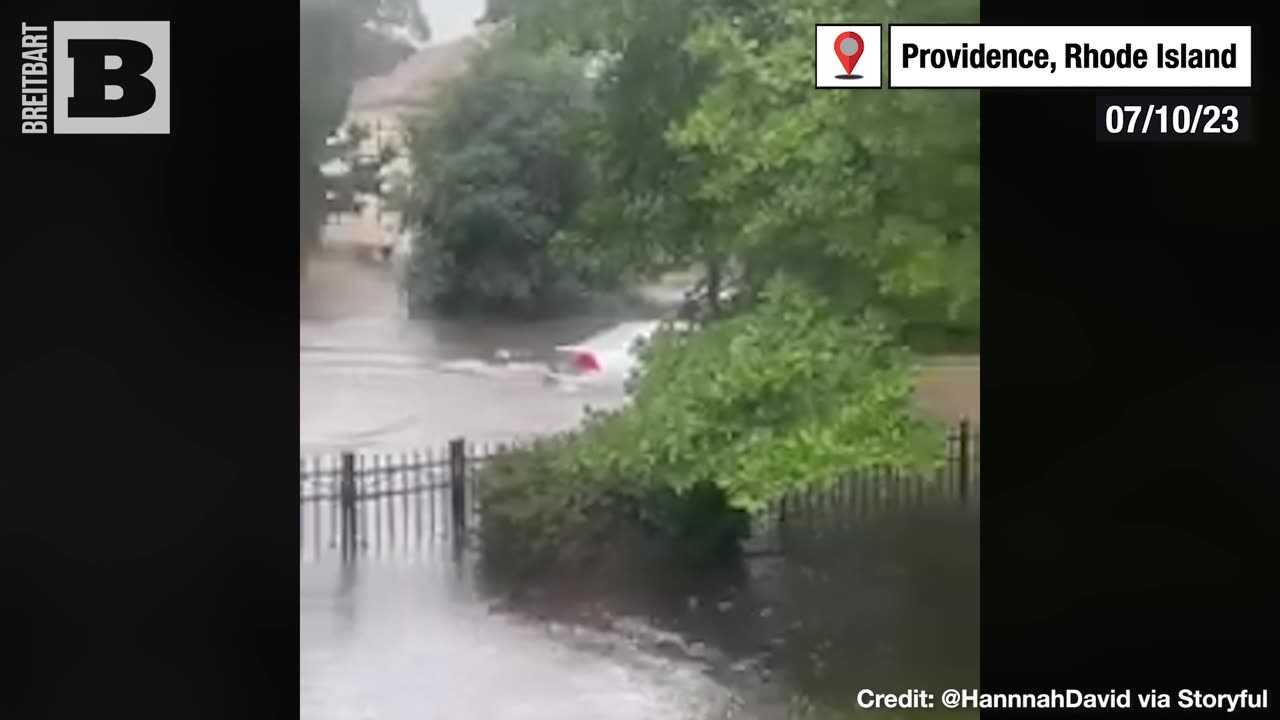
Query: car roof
[[617, 338]]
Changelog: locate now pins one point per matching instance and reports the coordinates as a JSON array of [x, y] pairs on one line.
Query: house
[[383, 105]]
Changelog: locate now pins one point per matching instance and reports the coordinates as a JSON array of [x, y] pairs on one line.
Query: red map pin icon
[[849, 47]]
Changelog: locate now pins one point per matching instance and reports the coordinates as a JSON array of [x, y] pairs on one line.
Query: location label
[[849, 47]]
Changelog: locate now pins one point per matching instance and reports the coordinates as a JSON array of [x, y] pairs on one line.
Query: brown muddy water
[[889, 605], [371, 379]]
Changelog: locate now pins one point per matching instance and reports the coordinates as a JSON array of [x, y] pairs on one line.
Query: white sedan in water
[[606, 358]]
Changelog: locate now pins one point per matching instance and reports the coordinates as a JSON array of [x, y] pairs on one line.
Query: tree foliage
[[643, 215], [711, 145], [495, 180], [785, 397], [872, 197], [722, 422]]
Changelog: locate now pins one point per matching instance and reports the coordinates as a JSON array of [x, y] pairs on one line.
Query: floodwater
[[372, 380], [401, 641], [410, 637], [891, 606]]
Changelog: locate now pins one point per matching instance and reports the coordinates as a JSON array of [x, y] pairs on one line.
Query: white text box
[[991, 56]]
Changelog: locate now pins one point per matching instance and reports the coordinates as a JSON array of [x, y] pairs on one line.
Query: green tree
[[643, 215], [870, 196], [711, 146], [495, 180]]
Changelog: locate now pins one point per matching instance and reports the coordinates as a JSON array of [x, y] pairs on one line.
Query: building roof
[[417, 78]]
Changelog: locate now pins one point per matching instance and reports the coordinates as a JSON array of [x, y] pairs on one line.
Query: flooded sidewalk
[[401, 641]]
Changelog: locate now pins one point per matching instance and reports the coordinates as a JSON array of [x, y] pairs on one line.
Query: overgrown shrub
[[547, 512], [539, 512], [720, 422], [786, 396]]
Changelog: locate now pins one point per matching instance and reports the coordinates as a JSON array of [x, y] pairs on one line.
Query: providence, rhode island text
[[1076, 56]]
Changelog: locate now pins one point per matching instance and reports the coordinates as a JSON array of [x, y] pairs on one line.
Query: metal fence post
[[964, 459], [784, 522], [458, 489], [347, 499]]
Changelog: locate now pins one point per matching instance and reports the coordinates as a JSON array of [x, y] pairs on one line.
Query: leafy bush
[[785, 396], [721, 422], [540, 511]]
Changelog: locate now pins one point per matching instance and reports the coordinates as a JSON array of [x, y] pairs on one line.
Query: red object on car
[[610, 356], [586, 362]]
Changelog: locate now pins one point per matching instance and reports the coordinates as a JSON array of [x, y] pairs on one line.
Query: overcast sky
[[451, 19]]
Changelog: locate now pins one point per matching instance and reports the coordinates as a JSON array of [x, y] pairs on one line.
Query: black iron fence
[[370, 504], [855, 498], [383, 503]]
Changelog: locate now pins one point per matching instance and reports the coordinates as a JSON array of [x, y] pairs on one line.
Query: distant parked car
[[608, 357]]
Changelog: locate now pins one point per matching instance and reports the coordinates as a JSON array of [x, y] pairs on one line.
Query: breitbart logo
[[95, 78]]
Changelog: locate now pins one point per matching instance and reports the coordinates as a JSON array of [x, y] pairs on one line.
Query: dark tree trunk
[[714, 281]]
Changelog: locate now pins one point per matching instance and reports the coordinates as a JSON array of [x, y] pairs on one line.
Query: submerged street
[[372, 379], [410, 637]]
